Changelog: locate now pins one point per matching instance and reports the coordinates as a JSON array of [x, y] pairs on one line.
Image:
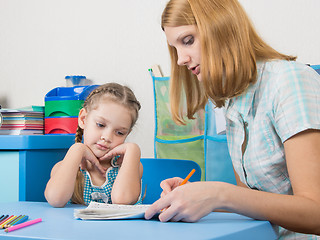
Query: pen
[[188, 177], [25, 224]]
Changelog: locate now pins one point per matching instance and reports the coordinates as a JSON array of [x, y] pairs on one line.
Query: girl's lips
[[102, 147]]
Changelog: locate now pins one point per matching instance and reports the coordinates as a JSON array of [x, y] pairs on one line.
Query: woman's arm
[[127, 186], [299, 212], [61, 184]]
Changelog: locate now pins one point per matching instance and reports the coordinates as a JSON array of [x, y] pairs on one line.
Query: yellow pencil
[[188, 177]]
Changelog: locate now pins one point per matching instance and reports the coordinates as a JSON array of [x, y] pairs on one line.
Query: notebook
[[106, 211]]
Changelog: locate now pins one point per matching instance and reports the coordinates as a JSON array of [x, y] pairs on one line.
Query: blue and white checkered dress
[[284, 101], [101, 193]]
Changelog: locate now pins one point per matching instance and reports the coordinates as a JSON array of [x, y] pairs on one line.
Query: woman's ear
[[81, 118]]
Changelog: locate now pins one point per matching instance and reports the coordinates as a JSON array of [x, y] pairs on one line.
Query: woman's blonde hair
[[230, 47], [110, 91]]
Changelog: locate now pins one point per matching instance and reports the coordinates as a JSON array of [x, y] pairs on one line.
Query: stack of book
[[24, 121]]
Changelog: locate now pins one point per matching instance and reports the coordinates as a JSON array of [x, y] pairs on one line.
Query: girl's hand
[[87, 155], [119, 150]]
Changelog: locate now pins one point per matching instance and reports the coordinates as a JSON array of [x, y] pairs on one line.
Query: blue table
[[59, 223], [26, 162]]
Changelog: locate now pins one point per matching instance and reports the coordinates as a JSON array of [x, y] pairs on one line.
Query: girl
[[110, 170], [272, 113]]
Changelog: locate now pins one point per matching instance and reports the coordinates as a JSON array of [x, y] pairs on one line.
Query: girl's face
[[105, 127], [186, 41]]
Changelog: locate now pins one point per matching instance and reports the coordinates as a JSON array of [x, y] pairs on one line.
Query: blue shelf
[[24, 142]]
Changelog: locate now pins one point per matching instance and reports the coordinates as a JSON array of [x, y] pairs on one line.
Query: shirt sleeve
[[296, 101]]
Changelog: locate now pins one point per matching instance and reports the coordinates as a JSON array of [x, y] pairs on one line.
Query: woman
[[272, 112]]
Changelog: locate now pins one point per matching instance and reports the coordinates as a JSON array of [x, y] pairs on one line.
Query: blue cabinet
[[26, 163]]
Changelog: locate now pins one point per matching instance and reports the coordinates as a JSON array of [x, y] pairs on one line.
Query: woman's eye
[[188, 40]]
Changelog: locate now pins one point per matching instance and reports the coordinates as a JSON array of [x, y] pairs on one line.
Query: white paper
[[97, 210]]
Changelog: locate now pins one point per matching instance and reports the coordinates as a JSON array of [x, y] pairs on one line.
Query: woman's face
[[185, 39]]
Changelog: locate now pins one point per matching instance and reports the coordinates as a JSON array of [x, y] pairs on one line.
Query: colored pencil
[[188, 177], [21, 220], [14, 221], [11, 221], [22, 225], [3, 219], [6, 221]]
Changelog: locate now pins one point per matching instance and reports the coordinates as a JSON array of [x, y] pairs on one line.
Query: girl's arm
[[127, 186], [299, 212], [61, 184]]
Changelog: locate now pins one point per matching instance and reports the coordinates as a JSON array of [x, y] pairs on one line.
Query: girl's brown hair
[[113, 92], [230, 48]]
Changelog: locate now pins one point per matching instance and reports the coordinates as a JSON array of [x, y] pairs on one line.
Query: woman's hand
[[187, 203], [169, 184]]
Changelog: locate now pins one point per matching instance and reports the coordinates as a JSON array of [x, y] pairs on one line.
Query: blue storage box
[[69, 93]]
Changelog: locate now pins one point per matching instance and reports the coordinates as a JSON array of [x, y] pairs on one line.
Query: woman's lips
[[195, 70]]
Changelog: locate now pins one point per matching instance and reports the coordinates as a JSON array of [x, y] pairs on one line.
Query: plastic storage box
[[62, 105]]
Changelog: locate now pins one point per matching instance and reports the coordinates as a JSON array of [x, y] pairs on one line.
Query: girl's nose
[[106, 136]]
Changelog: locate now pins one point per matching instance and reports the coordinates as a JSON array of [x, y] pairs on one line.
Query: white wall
[[42, 41]]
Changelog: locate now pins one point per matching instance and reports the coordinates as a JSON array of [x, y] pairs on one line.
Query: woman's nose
[[183, 58]]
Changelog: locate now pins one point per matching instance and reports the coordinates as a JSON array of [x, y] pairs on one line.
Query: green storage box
[[63, 108]]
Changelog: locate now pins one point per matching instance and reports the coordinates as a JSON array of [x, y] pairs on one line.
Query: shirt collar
[[245, 102]]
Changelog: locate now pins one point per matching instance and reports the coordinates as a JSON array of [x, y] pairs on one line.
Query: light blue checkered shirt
[[284, 101], [101, 193]]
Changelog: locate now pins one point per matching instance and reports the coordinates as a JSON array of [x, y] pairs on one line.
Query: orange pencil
[[188, 177]]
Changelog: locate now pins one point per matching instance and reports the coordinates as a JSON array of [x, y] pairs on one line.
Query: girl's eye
[[120, 133], [100, 125], [188, 40]]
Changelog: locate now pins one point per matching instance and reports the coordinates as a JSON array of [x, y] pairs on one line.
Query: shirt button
[[245, 124]]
